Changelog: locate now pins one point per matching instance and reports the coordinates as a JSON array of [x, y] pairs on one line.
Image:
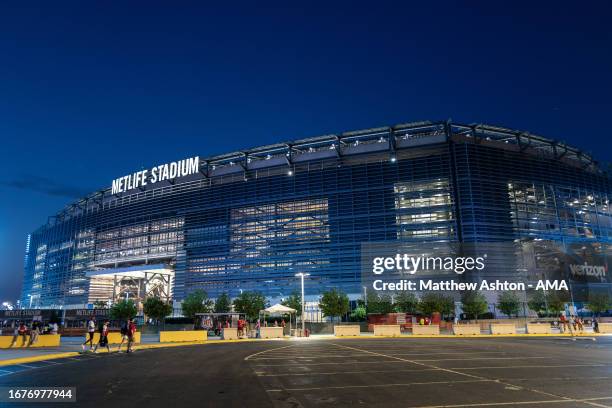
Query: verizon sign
[[589, 271]]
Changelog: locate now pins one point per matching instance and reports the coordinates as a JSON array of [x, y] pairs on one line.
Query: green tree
[[473, 303], [599, 303], [196, 302], [447, 305], [537, 302], [556, 301], [379, 303], [429, 304], [294, 301], [406, 302], [432, 302], [250, 303], [123, 309], [334, 303], [509, 303], [156, 308], [223, 303], [359, 314]]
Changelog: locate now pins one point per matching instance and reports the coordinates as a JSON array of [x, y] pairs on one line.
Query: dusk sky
[[90, 91]]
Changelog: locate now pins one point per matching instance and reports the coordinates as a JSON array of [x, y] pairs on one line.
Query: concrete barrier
[[466, 329], [182, 335], [432, 330], [44, 340], [271, 332], [230, 333], [503, 328], [114, 337], [605, 327], [387, 330], [352, 330], [539, 328]]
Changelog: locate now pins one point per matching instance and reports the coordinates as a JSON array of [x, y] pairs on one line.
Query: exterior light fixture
[[301, 275]]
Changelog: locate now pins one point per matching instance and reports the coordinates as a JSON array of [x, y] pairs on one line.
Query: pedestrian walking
[[563, 323], [580, 323], [131, 335], [91, 329], [103, 337], [124, 334]]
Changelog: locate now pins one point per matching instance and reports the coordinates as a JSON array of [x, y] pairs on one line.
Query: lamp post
[[301, 275]]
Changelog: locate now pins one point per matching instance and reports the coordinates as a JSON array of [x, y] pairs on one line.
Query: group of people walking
[[573, 324], [128, 331]]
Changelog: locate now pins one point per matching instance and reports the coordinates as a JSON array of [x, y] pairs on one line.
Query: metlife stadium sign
[[163, 172]]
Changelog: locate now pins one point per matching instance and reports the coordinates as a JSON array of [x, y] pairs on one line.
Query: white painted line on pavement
[[485, 358], [266, 351], [381, 385], [529, 366], [486, 404], [458, 372], [361, 355]]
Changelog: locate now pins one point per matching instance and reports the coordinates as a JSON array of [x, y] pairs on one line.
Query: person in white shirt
[[91, 329]]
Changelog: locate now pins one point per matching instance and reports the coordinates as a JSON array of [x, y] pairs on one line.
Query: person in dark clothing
[[103, 337]]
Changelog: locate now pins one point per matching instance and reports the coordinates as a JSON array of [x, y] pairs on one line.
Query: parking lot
[[445, 372], [329, 372]]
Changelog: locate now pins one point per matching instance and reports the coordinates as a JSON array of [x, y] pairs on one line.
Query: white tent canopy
[[278, 308]]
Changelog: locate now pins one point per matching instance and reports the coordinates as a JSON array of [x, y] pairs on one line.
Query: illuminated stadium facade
[[251, 220]]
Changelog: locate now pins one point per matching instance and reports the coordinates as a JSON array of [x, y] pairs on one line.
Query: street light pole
[[301, 275]]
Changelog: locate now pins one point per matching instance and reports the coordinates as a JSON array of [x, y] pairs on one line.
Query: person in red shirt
[[131, 333], [20, 331]]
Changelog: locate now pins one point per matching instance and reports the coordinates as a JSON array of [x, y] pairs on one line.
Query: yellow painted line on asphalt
[[32, 359]]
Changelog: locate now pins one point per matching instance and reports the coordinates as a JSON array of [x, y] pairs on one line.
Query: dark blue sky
[[90, 91]]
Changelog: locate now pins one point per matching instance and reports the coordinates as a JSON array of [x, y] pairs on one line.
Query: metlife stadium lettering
[[168, 171]]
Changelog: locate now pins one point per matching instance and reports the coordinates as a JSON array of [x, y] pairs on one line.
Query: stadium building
[[251, 220]]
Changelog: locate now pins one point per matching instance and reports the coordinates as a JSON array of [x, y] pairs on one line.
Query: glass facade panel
[[252, 220]]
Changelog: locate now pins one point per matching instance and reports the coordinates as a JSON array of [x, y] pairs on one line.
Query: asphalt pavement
[[469, 372]]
